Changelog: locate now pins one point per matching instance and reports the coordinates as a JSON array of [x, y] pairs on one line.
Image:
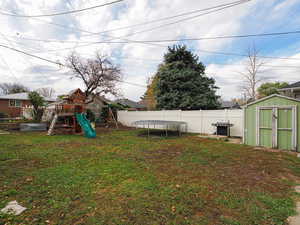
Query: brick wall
[[12, 111]]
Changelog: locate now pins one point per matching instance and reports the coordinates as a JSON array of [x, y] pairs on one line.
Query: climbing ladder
[[113, 117], [51, 128]]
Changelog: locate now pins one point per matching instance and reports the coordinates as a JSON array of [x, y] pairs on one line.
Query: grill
[[223, 128]]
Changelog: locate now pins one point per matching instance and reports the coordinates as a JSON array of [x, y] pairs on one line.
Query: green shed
[[273, 122]]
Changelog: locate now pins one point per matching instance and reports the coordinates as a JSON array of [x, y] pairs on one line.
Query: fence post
[[180, 115], [226, 115], [201, 121]]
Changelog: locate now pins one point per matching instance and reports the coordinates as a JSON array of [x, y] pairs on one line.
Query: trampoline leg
[[148, 131], [167, 131]]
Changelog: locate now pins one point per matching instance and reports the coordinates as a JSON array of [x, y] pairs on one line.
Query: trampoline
[[161, 124]]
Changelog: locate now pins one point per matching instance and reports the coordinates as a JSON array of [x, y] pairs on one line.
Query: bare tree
[[252, 77], [99, 75], [46, 92], [12, 88], [241, 100]]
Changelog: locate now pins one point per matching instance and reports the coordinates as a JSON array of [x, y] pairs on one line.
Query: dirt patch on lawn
[[108, 130], [163, 154], [275, 150], [158, 133]]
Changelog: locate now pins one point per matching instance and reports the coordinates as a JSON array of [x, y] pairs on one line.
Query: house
[[98, 103], [131, 105], [12, 104], [292, 90], [230, 105]]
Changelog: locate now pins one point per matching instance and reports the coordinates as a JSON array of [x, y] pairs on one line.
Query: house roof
[[271, 96], [23, 96], [229, 104], [103, 99], [74, 91], [130, 103], [292, 86]]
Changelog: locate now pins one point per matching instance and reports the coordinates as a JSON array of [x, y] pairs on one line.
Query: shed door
[[285, 129], [265, 127], [277, 127]]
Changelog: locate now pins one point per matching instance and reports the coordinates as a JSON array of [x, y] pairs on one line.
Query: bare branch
[[46, 92], [251, 77], [99, 75], [12, 88]]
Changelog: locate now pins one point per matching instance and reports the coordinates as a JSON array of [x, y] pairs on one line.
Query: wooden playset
[[69, 115]]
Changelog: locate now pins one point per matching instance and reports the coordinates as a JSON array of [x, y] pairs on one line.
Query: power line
[[3, 59], [213, 38], [81, 30], [60, 64], [185, 19], [244, 55], [153, 28], [236, 54], [168, 40], [158, 61], [135, 25], [57, 63], [34, 56], [223, 64], [228, 64], [135, 84], [11, 45], [207, 52], [168, 24], [164, 18], [90, 55], [60, 13], [210, 52], [130, 41], [7, 65]]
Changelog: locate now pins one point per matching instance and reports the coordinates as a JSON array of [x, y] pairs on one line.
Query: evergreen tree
[[182, 83], [37, 102]]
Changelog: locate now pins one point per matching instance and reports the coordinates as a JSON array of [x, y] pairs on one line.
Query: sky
[[57, 36]]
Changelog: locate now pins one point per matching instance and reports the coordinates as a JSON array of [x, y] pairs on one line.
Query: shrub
[[3, 115], [104, 115]]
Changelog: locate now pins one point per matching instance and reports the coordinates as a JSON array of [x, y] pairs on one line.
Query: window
[[18, 103], [14, 103]]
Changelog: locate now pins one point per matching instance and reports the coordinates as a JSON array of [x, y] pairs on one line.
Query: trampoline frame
[[166, 123]]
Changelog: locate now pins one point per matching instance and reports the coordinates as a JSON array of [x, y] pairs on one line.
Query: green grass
[[123, 178]]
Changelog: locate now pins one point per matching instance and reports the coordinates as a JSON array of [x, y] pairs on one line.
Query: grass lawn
[[122, 178]]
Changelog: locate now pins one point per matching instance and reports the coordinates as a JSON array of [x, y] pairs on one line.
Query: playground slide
[[85, 125]]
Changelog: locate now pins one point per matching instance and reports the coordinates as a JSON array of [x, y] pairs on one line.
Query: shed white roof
[[23, 96], [271, 96]]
